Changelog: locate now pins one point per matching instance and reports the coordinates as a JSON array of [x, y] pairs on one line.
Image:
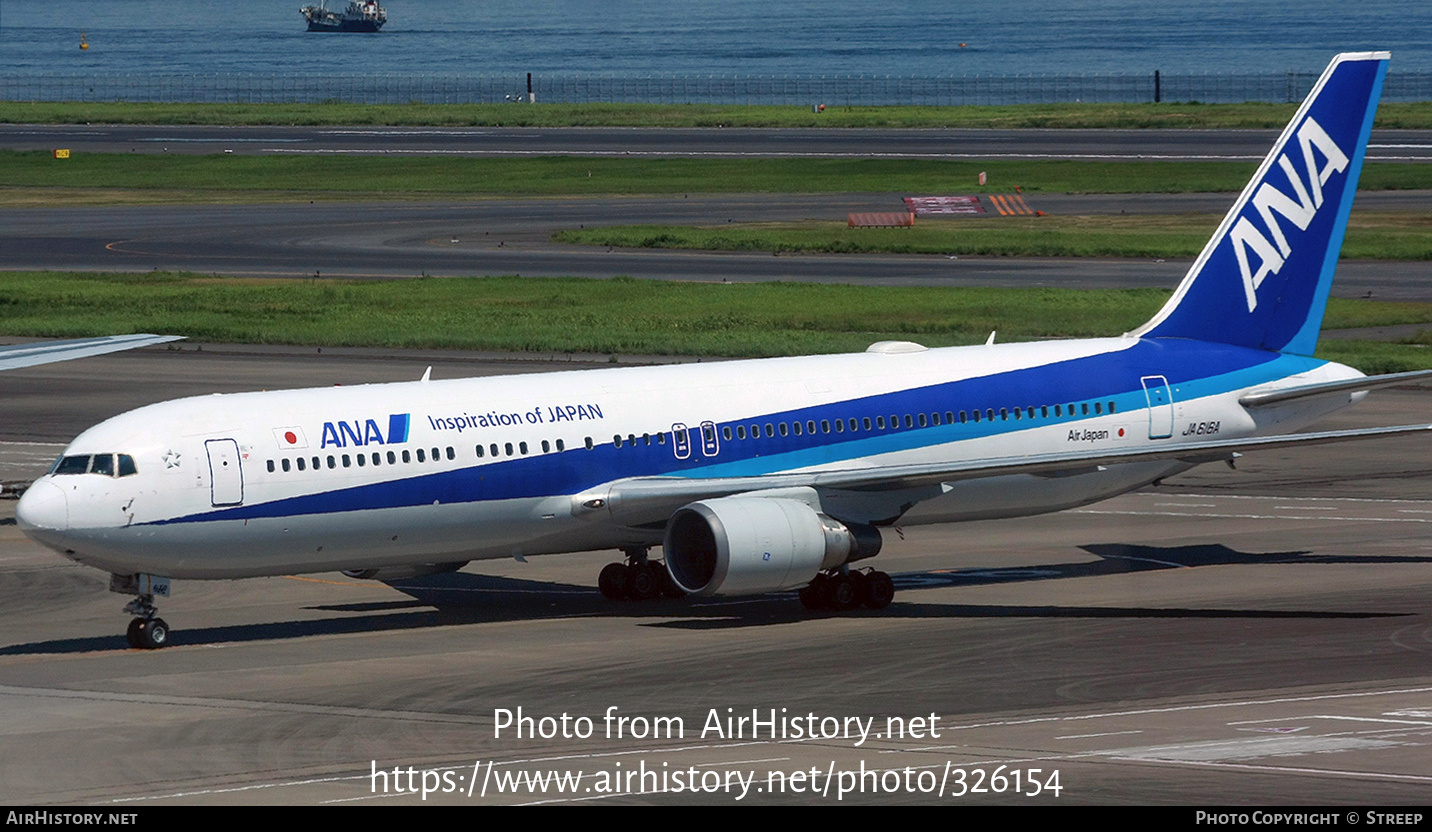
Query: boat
[[359, 16]]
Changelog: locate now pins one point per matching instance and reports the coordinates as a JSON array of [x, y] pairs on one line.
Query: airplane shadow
[[461, 598]]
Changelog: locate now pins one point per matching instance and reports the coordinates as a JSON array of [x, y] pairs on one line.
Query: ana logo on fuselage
[[1268, 200], [356, 433]]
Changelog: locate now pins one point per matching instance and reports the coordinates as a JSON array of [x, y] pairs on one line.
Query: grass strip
[[1413, 115], [1370, 235], [225, 177], [623, 315]]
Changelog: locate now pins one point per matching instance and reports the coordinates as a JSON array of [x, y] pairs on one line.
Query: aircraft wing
[[636, 499], [45, 352]]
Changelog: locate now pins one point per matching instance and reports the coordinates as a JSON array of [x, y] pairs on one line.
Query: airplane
[[757, 476]]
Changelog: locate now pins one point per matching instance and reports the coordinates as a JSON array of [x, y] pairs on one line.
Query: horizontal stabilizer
[[1261, 398]]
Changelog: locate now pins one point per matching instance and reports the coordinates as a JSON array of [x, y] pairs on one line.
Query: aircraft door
[[681, 441], [710, 445], [226, 477], [1160, 400]]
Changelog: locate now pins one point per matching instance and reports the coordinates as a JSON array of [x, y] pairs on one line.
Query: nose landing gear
[[147, 631]]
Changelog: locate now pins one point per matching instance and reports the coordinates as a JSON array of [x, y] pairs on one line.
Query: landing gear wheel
[[879, 590], [613, 581], [816, 594], [844, 593], [150, 634], [132, 634], [644, 583]]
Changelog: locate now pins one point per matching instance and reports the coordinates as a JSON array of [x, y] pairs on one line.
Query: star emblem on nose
[[171, 459]]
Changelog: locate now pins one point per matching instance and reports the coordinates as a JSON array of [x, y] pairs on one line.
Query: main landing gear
[[843, 590], [147, 631], [639, 579]]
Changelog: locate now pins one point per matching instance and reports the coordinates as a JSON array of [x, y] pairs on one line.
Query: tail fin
[[1263, 279]]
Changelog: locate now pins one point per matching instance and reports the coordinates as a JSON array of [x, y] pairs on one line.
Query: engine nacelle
[[750, 545], [397, 573]]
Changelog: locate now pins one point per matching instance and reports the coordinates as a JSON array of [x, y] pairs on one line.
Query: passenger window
[[810, 426], [270, 465], [726, 432], [797, 428], [546, 446], [1085, 408], [770, 431], [479, 451], [332, 463], [347, 463], [493, 449], [922, 420], [407, 457], [1098, 407], [561, 446], [865, 422], [521, 446], [452, 452], [880, 422], [362, 460], [589, 443], [300, 464], [1111, 407], [377, 458], [740, 432], [965, 418], [977, 415], [1004, 414], [1058, 411], [840, 426], [909, 423], [784, 429], [508, 448], [392, 458], [1017, 414]]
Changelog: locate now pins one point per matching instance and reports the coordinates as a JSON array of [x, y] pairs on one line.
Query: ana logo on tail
[[1268, 200]]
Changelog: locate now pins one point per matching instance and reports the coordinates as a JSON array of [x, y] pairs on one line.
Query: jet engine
[[751, 545], [397, 573]]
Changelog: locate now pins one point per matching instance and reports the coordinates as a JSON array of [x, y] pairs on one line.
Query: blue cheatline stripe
[[1193, 370]]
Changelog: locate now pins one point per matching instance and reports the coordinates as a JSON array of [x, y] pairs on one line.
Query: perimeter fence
[[833, 90]]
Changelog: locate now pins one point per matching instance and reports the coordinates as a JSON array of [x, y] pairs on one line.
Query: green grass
[[1073, 115], [1371, 235], [26, 177], [608, 316]]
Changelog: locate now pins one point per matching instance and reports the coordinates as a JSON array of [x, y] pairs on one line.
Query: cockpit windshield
[[109, 465]]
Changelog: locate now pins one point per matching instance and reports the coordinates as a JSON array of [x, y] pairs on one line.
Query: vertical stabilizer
[[1263, 279]]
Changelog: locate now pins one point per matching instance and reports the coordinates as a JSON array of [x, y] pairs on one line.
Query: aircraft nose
[[43, 507]]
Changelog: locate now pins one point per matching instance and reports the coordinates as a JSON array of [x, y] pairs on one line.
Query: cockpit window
[[72, 465], [104, 464]]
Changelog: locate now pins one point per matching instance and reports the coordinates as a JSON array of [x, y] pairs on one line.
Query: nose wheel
[[147, 633]]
